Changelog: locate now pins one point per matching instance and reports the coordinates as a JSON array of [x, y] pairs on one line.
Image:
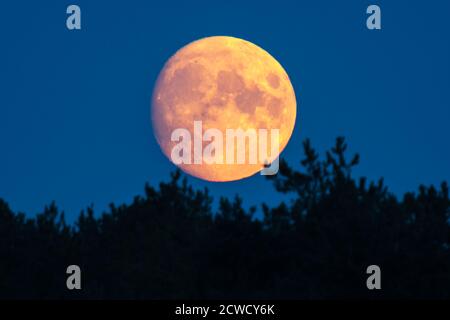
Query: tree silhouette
[[170, 244]]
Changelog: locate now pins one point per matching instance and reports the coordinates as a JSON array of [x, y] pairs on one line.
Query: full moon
[[226, 83]]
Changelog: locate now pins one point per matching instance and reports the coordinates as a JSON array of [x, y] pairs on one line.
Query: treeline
[[170, 244]]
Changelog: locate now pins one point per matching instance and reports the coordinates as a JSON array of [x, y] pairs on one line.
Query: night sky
[[75, 105]]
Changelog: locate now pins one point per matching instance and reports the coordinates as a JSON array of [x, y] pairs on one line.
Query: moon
[[226, 83]]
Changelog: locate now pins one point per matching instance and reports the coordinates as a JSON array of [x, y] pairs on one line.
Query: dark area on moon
[[186, 87]]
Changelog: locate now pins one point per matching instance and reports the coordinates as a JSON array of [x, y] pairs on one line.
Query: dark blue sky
[[75, 105]]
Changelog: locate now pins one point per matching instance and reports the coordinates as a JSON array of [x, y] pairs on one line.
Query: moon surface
[[227, 83]]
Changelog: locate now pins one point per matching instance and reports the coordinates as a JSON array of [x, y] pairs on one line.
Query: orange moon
[[227, 83]]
